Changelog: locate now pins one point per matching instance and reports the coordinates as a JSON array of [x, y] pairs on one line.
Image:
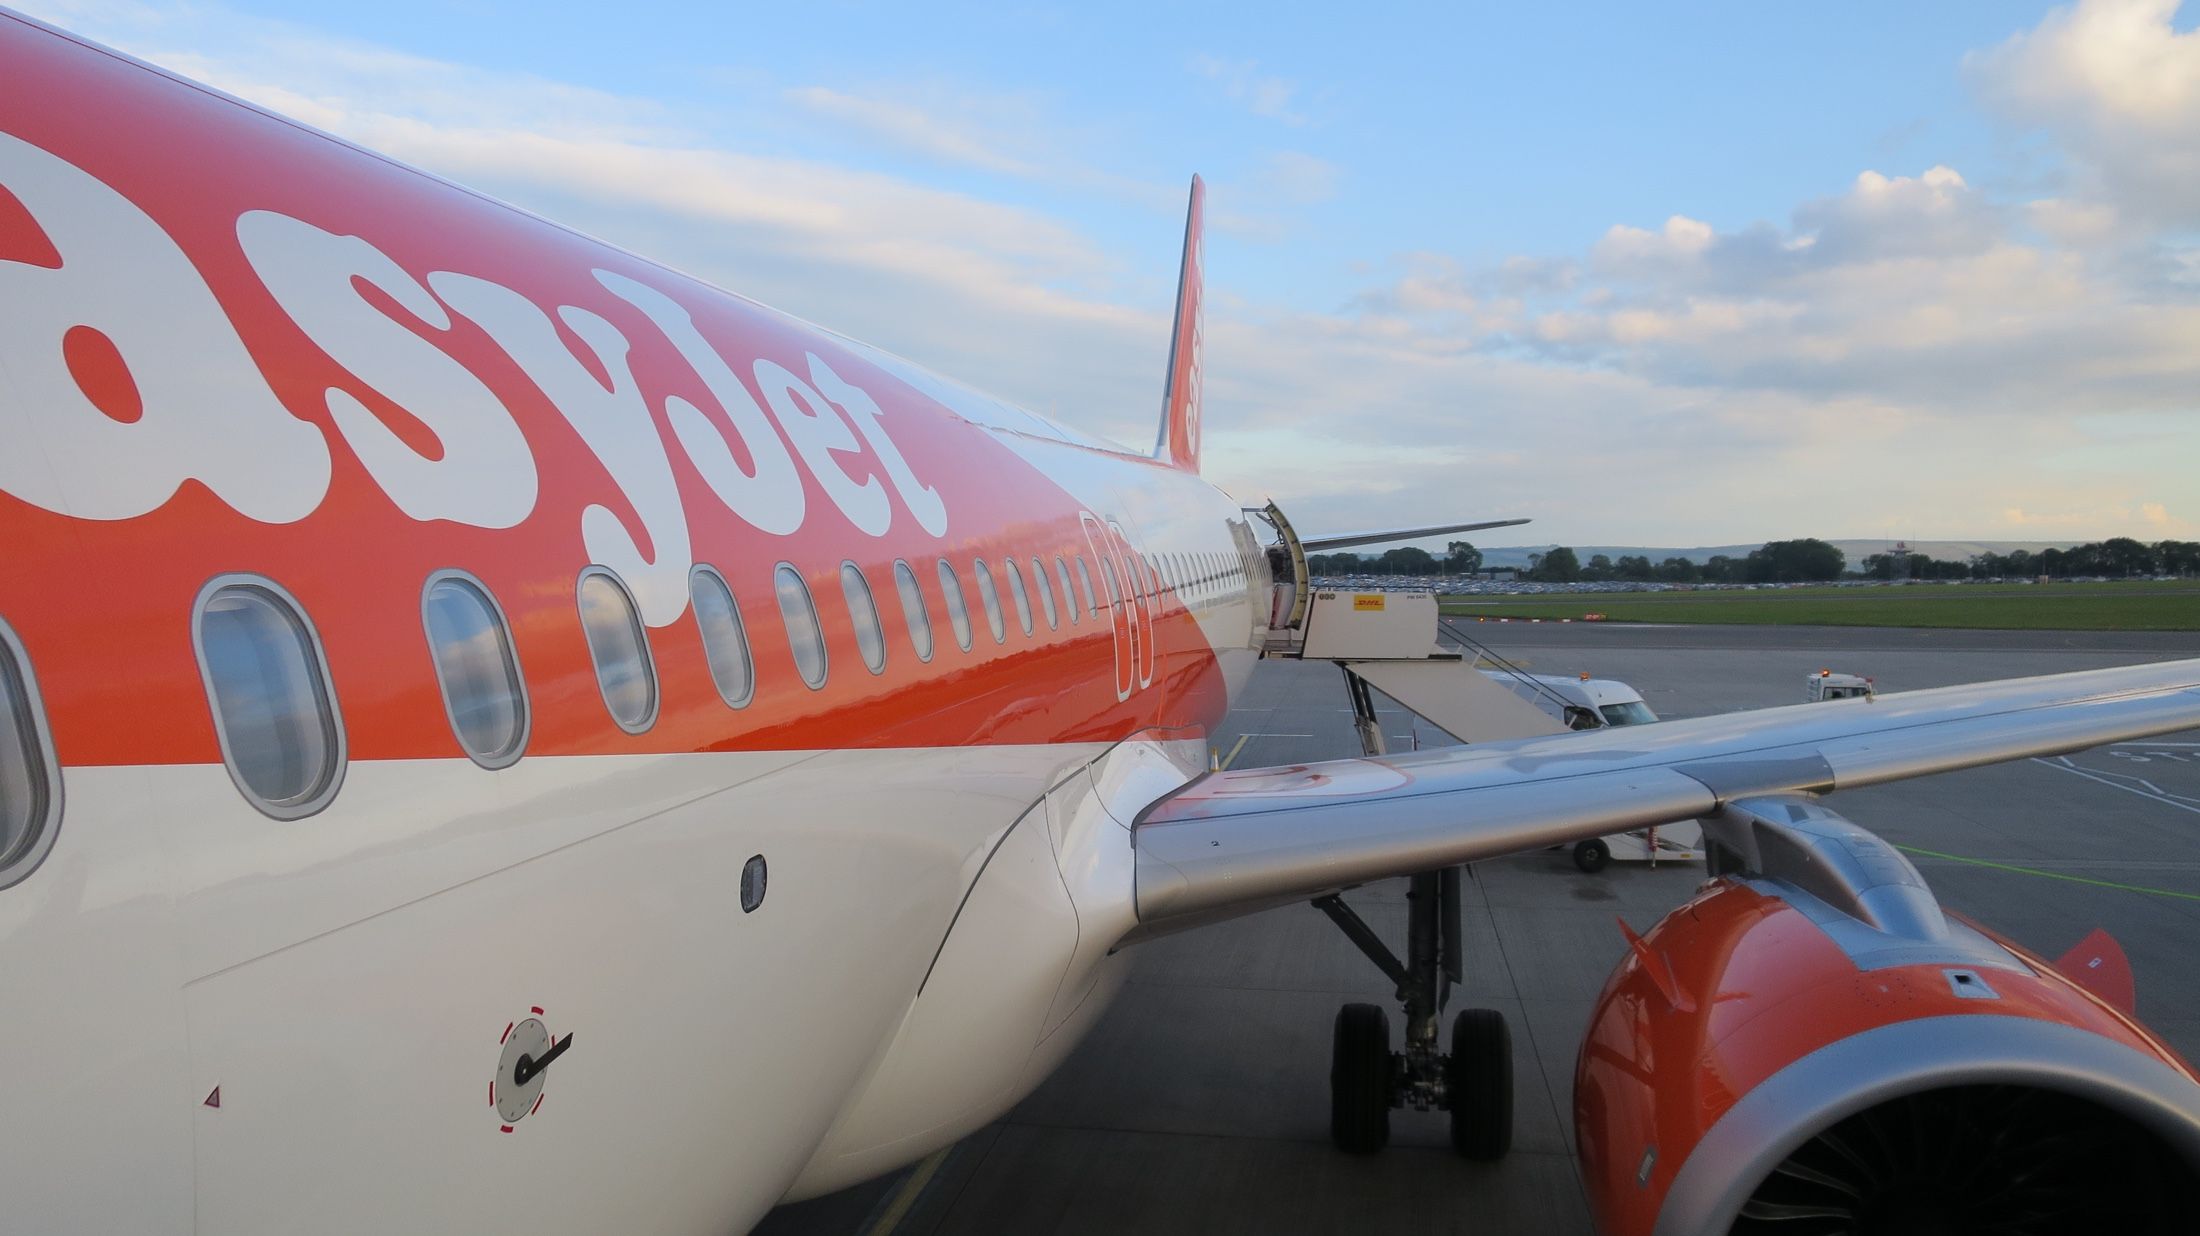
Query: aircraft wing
[[1236, 841], [1346, 540]]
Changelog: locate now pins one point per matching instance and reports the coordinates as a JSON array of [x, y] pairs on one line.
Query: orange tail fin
[[1179, 439]]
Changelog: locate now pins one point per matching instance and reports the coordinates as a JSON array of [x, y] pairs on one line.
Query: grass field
[[2172, 605]]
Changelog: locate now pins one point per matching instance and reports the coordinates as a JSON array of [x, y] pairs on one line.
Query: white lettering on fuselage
[[201, 395], [614, 422], [922, 500], [769, 496], [484, 474], [204, 410], [818, 434]]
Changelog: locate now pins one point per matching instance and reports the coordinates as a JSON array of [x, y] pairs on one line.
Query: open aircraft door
[[1289, 605]]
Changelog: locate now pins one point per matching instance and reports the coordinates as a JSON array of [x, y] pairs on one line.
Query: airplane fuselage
[[286, 917]]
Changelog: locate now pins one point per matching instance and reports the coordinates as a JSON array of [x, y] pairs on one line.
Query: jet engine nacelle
[[1812, 1046]]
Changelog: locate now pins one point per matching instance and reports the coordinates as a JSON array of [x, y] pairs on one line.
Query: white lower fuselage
[[346, 995]]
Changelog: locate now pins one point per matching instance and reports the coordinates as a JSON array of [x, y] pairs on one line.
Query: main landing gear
[[1472, 1082]]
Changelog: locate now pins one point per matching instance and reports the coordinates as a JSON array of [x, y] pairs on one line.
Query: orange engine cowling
[[1811, 1046]]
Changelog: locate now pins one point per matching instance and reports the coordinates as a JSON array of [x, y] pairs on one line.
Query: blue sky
[[1636, 271], [1486, 128]]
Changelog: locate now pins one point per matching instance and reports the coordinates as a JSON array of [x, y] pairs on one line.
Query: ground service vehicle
[[1827, 685]]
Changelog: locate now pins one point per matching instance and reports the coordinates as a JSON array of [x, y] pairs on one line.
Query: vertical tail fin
[[1179, 439]]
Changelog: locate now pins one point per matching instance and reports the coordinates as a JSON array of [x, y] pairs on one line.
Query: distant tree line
[[1808, 560], [1460, 558], [1775, 562], [2117, 558]]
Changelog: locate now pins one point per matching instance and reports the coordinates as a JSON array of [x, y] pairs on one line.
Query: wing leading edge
[[1383, 536], [1238, 841]]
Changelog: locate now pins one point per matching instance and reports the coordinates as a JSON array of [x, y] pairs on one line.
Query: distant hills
[[1854, 551]]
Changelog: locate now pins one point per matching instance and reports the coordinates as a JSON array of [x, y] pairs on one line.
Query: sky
[[1646, 276]]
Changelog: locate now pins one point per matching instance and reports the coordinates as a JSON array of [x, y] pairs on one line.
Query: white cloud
[[1007, 133], [2144, 521], [1681, 240], [1297, 178], [911, 127], [2118, 86], [1931, 214], [2072, 222], [1242, 82]]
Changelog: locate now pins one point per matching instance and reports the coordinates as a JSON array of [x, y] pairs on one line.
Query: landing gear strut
[[1473, 1082]]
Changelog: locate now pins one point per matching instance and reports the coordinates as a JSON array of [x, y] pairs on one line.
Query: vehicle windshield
[[1634, 712]]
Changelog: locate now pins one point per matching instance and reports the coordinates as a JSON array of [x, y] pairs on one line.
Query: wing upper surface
[[1242, 839]]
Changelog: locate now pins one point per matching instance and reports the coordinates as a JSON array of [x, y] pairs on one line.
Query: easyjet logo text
[[125, 378]]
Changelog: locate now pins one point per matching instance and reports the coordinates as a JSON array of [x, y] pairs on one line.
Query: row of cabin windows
[[282, 736]]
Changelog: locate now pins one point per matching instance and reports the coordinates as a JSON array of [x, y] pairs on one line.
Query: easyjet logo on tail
[[127, 378]]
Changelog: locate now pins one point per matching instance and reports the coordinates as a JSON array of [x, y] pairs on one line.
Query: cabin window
[[619, 649], [1069, 595], [30, 790], [958, 610], [1046, 594], [863, 612], [274, 711], [990, 596], [483, 693], [804, 636], [725, 638], [1084, 585], [1018, 594], [1109, 581], [913, 611]]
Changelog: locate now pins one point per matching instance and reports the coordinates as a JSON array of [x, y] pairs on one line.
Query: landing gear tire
[[1360, 1079], [1591, 855], [1479, 1080]]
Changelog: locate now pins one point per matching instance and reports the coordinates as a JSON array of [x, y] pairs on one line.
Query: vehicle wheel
[[1479, 1078], [1359, 1079], [1591, 855]]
